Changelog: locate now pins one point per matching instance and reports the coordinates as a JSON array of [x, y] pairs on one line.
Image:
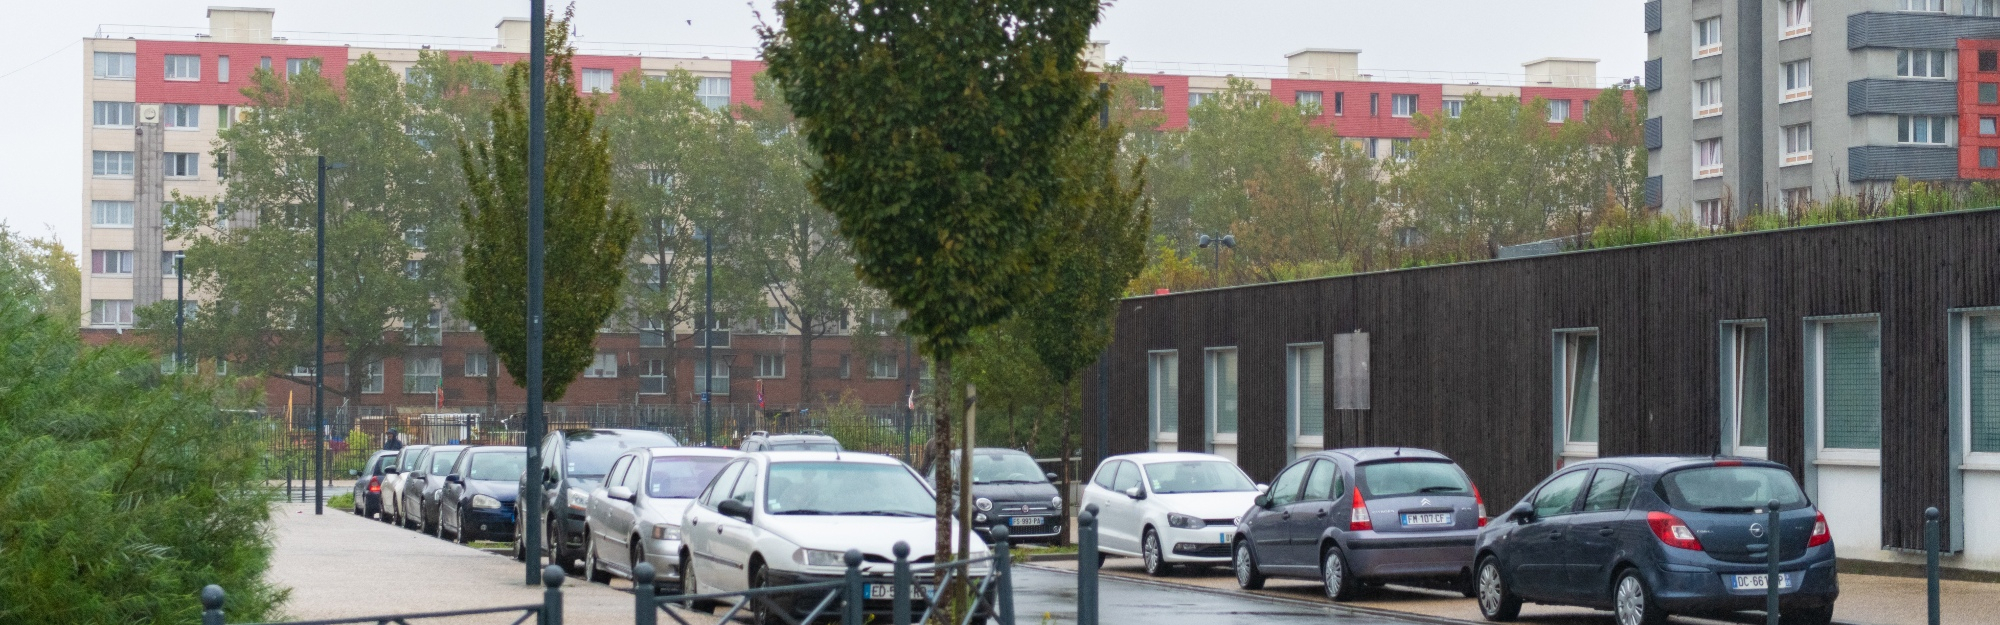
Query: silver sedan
[[635, 515]]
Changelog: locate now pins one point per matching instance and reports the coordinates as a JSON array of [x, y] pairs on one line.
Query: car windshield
[[1395, 479], [1005, 469], [1197, 476], [804, 446], [441, 461], [846, 488], [1730, 489], [498, 466], [590, 454], [683, 477]]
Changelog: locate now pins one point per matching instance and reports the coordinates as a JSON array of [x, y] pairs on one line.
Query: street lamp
[[319, 340], [707, 331], [531, 530], [1227, 240], [180, 311]]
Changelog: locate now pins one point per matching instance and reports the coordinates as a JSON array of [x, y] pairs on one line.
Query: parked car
[[573, 465], [392, 483], [1645, 536], [422, 484], [477, 502], [1008, 488], [803, 441], [1169, 508], [636, 515], [1349, 517], [776, 519], [368, 483]]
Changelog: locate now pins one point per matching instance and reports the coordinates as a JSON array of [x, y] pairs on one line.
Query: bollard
[[1774, 554], [645, 609], [900, 613], [1003, 571], [1086, 568], [854, 594], [1931, 563], [552, 607], [211, 605]]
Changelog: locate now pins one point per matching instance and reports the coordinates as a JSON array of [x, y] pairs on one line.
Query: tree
[[587, 233], [49, 268], [938, 126]]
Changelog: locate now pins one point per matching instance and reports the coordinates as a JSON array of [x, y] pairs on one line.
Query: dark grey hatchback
[[1644, 536]]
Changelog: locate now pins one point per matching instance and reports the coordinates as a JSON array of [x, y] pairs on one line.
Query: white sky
[[40, 98]]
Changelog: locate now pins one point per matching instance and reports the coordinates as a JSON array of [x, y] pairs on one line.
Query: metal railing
[[548, 612]]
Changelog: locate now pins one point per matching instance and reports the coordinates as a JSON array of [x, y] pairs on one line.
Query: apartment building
[[1769, 106]]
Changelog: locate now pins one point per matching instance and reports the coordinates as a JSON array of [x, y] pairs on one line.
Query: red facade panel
[[1173, 92], [743, 82], [1973, 114], [1354, 117], [152, 85]]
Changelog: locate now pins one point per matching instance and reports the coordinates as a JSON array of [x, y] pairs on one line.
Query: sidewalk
[[343, 566], [1864, 599]]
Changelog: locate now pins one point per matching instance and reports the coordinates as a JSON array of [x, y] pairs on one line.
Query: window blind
[[1851, 385], [1309, 390], [1163, 396], [1984, 390], [1222, 388]]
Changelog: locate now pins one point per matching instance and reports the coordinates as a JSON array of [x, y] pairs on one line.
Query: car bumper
[[665, 556], [1050, 528], [371, 503], [881, 609], [1209, 545], [1705, 589], [488, 524], [1410, 555]]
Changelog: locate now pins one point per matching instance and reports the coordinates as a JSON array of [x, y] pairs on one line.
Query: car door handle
[[1323, 512], [1606, 531], [1555, 535], [1286, 515]]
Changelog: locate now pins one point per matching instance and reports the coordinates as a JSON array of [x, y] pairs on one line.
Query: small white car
[[635, 516], [392, 483], [1169, 508], [784, 518]]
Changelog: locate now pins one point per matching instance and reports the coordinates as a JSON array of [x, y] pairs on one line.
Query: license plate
[[887, 592], [1760, 582], [1022, 521], [1441, 518]]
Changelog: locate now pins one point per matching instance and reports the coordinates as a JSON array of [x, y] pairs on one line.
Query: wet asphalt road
[[1122, 602]]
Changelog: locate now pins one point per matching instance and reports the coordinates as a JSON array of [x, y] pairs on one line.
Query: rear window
[[1395, 479], [682, 477], [804, 446], [1198, 476], [1730, 489], [441, 461], [590, 454]]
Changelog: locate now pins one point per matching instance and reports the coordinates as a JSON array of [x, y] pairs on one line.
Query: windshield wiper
[[1009, 482], [1440, 489], [1728, 509], [895, 513], [806, 512]]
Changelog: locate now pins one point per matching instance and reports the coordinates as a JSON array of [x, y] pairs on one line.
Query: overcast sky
[[41, 62]]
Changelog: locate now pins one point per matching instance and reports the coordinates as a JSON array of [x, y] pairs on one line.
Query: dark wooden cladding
[[1461, 354]]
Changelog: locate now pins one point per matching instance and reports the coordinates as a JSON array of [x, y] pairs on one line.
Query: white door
[[1118, 525]]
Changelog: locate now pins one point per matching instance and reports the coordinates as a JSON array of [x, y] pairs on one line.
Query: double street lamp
[[1227, 240]]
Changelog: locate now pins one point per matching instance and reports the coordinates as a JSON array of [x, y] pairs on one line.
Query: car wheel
[[1339, 581], [689, 587], [430, 523], [458, 531], [593, 569], [764, 609], [1803, 616], [1496, 601], [1245, 563], [637, 556], [1633, 604], [1156, 560], [520, 549]]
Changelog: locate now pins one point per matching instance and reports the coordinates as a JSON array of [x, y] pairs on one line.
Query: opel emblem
[[1757, 530], [1426, 502]]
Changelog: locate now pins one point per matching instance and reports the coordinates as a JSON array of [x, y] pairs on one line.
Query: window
[[1976, 383], [111, 312], [1325, 483], [413, 236], [653, 377], [1305, 394], [182, 164], [846, 366], [1707, 98], [1926, 129], [1610, 490], [1163, 398], [169, 265], [222, 116], [294, 67], [1371, 147], [715, 333], [1222, 401], [1746, 385], [104, 163], [1708, 213], [1989, 93], [114, 65], [776, 322], [770, 365], [1558, 111], [1797, 199], [183, 67], [222, 68], [422, 375], [1797, 19], [114, 114], [1558, 497], [1797, 142], [603, 365], [1982, 8], [111, 262], [1350, 371], [721, 380], [1989, 158], [1285, 489], [885, 367], [110, 214], [652, 331], [1403, 105], [1929, 6], [1196, 98], [1920, 63], [1708, 37], [1576, 394], [302, 371], [371, 382], [1153, 99], [1399, 149], [1989, 126], [1339, 103], [478, 365], [1845, 385], [1310, 102], [1453, 108], [1374, 105], [1708, 158], [264, 62], [181, 116], [598, 80], [1797, 81], [713, 92]]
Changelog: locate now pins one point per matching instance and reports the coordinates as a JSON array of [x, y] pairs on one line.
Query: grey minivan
[[1349, 517]]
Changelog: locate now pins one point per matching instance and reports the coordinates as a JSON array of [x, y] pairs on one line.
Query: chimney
[[513, 34], [240, 24], [1094, 55], [1562, 72], [1324, 64]]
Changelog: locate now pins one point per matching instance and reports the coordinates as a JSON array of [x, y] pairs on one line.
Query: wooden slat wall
[[1460, 354]]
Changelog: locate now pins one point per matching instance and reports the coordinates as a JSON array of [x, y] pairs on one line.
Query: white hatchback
[[1169, 508], [635, 516]]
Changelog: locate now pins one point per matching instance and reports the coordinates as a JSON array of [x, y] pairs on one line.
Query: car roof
[[506, 448], [717, 452], [1152, 457], [994, 450], [796, 437], [611, 432], [780, 457], [1661, 463], [1374, 454]]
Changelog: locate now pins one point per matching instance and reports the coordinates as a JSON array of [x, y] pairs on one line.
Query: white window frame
[[721, 378], [597, 80], [885, 363], [1922, 129], [771, 366], [602, 365], [713, 91], [653, 375], [1211, 400], [110, 164], [181, 67], [1795, 145], [116, 263], [1707, 98], [171, 116], [1961, 392], [1795, 19], [1304, 99], [1558, 111], [1817, 453], [1402, 105], [1708, 213], [1795, 81], [120, 310], [1923, 6], [1702, 167], [294, 67], [120, 114], [1566, 363], [1702, 29], [420, 371], [114, 65], [1734, 341], [222, 68], [372, 378], [1298, 357], [478, 364], [1936, 64], [120, 212], [1164, 428], [181, 165], [1155, 99], [1982, 8]]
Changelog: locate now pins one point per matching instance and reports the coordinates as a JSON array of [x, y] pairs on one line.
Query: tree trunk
[[939, 450], [492, 387], [1062, 458], [806, 337]]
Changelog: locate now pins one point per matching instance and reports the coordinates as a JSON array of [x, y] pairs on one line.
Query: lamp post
[[531, 532], [319, 337], [708, 340], [180, 312], [1227, 240]]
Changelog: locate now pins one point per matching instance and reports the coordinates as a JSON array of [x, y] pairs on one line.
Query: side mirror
[[454, 479], [1523, 512], [391, 470], [1135, 492], [1051, 476], [1263, 488], [620, 493], [1262, 501], [734, 509]]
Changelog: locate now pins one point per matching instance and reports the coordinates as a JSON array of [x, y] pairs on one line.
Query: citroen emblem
[[1757, 530], [1426, 502]]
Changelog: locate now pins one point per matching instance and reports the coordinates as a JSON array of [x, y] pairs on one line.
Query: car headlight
[[1056, 502], [578, 499], [1185, 522], [666, 532], [979, 518], [815, 557], [983, 503], [483, 502]]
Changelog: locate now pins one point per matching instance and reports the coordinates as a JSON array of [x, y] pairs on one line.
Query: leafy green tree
[[587, 234], [49, 267], [938, 126]]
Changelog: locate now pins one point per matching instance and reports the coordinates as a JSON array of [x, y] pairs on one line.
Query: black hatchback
[[1644, 536]]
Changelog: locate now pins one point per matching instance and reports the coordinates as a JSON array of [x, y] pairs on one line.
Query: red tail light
[[1670, 530], [375, 484], [1729, 463], [1482, 505], [1358, 518], [1821, 535]]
